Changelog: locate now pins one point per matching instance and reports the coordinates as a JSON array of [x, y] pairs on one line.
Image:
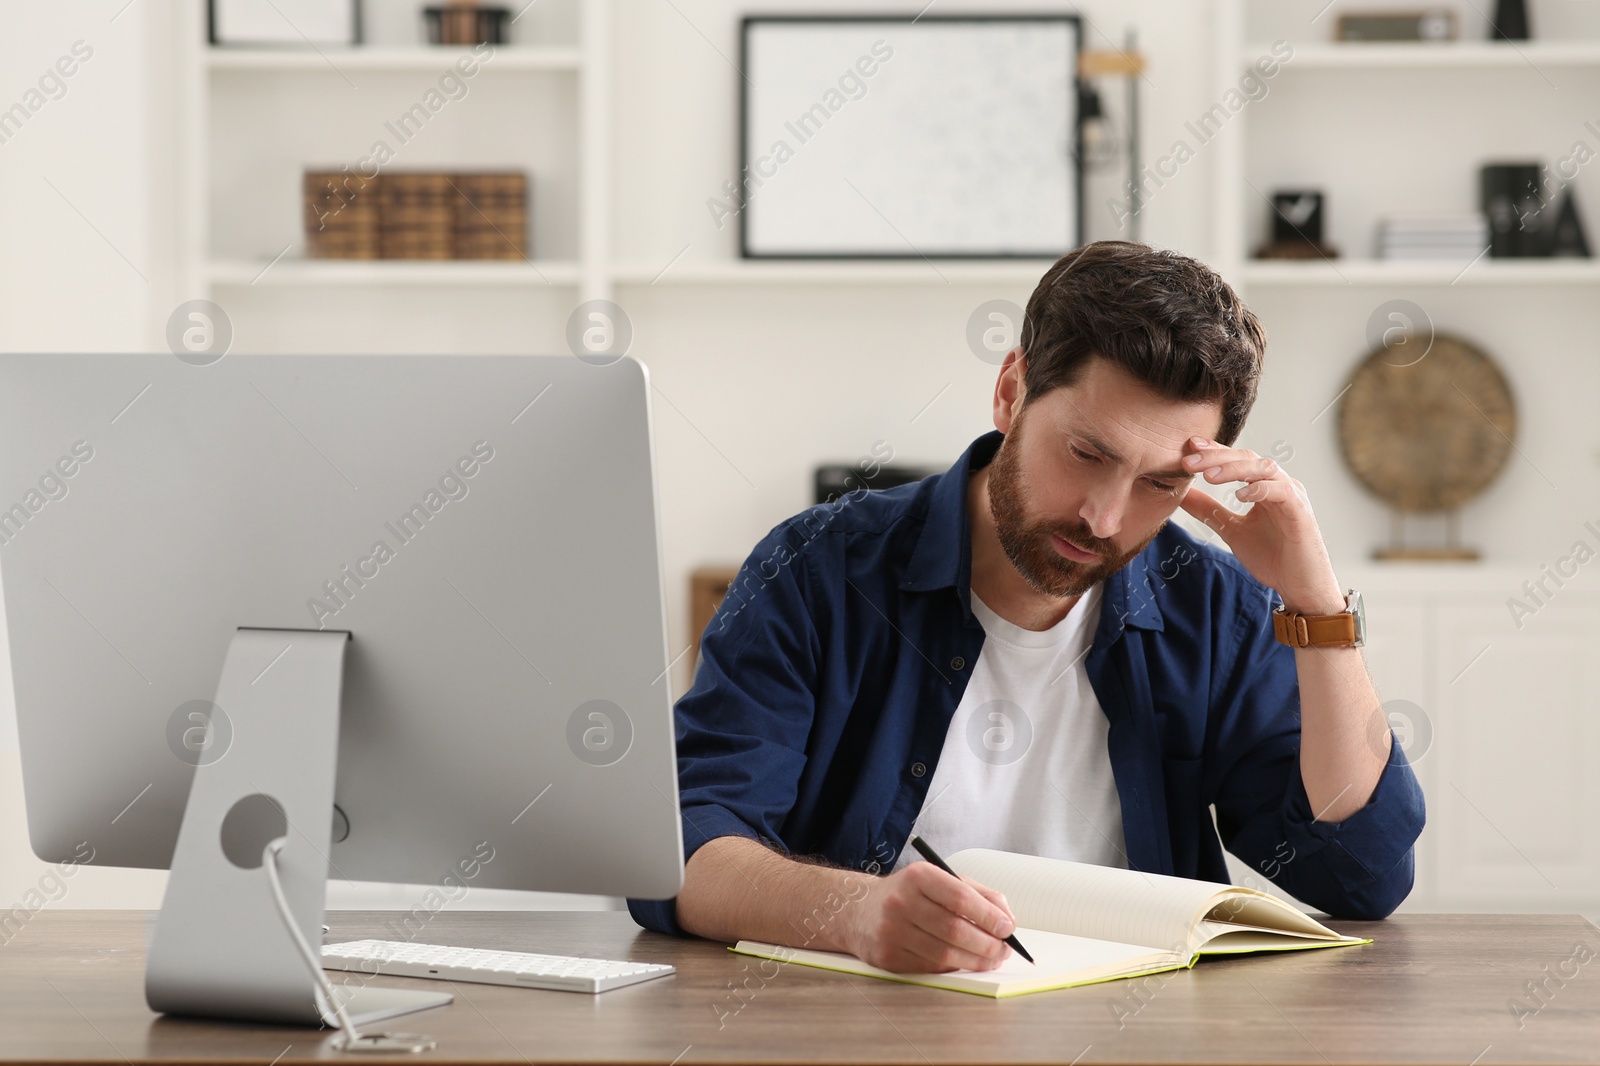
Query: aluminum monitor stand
[[220, 948]]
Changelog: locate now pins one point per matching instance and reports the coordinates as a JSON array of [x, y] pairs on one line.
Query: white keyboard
[[522, 969]]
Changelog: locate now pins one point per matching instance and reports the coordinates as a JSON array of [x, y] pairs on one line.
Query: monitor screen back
[[486, 528]]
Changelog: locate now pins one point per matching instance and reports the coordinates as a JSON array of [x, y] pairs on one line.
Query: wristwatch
[[1347, 629]]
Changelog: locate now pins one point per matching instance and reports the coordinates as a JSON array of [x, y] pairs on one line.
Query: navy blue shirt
[[828, 678]]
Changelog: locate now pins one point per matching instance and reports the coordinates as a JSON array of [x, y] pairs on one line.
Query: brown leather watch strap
[[1314, 631]]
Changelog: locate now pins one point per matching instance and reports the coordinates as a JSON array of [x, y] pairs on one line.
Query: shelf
[[1451, 54], [1020, 272], [377, 272], [1379, 272], [559, 272], [392, 58]]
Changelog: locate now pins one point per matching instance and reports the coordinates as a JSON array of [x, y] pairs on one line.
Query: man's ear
[[1009, 389]]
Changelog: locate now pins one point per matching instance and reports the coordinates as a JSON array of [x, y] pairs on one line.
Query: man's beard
[[1029, 547]]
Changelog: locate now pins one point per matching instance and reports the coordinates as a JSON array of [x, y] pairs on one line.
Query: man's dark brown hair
[[1168, 320]]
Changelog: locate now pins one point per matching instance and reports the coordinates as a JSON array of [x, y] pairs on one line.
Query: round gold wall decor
[[1427, 424]]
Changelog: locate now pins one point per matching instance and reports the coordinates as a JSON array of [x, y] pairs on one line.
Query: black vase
[[1510, 21]]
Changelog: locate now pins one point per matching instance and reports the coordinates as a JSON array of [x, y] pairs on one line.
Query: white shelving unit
[[1462, 54], [236, 92], [1485, 76], [1480, 272], [400, 272], [227, 248], [542, 107], [389, 57], [903, 272], [1495, 714]]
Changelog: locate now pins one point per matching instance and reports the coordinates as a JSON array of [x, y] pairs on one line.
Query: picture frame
[[284, 23], [845, 155]]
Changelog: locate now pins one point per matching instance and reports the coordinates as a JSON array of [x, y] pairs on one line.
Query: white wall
[[779, 378]]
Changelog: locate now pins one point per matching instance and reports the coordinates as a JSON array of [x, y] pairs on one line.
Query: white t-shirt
[[1025, 767]]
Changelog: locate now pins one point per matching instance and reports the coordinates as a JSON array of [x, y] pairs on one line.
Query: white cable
[[269, 859]]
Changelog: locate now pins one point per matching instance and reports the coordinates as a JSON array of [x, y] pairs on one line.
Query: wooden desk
[[1433, 988]]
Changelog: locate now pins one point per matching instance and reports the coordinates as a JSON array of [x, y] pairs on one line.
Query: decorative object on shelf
[[342, 215], [969, 150], [1510, 21], [1459, 237], [1100, 147], [839, 479], [1509, 194], [466, 22], [1434, 24], [1567, 237], [708, 587], [414, 215], [1297, 227], [1426, 424], [298, 23], [1097, 146]]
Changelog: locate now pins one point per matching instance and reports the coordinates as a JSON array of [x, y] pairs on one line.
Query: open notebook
[[1084, 923]]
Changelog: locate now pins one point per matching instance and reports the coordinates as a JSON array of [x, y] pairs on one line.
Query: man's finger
[[1267, 492], [995, 896], [951, 927], [960, 897], [939, 954], [1202, 505], [1251, 468], [933, 930]]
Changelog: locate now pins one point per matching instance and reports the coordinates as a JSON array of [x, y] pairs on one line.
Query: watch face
[[1358, 608]]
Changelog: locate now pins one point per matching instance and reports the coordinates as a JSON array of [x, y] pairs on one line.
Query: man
[[1022, 653]]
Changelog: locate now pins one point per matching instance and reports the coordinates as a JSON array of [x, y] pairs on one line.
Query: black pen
[[933, 857]]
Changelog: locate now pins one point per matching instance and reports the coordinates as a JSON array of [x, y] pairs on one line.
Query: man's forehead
[[1146, 427]]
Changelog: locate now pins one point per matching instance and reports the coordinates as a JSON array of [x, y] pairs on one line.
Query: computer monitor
[[406, 611]]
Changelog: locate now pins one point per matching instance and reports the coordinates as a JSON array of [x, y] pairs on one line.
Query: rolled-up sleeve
[[1357, 868], [743, 725]]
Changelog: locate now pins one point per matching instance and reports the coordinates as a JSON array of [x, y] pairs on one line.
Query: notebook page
[[1058, 958], [1100, 902], [1059, 962], [1233, 941], [1249, 908]]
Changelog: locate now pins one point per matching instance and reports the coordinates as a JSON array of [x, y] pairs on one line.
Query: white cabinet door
[[1399, 656], [1399, 653], [1516, 785]]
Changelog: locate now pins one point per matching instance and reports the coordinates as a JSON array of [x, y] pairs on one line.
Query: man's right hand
[[922, 920]]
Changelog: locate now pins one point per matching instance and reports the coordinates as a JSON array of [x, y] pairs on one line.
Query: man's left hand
[[1277, 538]]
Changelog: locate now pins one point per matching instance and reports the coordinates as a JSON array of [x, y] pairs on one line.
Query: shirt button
[[918, 769], [958, 663]]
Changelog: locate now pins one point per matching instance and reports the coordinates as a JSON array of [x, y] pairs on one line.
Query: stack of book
[[341, 215], [416, 216], [1411, 237], [471, 215], [491, 220]]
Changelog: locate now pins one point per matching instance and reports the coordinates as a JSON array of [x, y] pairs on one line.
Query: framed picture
[[894, 137], [302, 23]]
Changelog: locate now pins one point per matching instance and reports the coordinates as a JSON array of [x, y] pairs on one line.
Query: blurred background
[[1397, 193]]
